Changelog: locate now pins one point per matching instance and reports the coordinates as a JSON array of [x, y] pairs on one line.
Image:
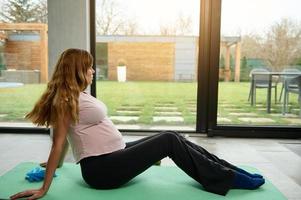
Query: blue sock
[[248, 174], [242, 181]]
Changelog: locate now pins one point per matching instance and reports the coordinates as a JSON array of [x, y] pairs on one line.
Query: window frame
[[207, 86]]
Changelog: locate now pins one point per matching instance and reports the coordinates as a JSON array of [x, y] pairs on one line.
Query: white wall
[[68, 27]]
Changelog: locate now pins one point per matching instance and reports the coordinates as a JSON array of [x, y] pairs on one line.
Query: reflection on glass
[[146, 57], [260, 63], [23, 58]]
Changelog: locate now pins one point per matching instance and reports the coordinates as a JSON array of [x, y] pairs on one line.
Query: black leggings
[[115, 169]]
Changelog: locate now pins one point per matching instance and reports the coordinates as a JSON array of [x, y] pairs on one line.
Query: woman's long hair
[[62, 93]]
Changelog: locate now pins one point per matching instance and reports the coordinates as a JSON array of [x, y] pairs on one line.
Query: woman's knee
[[171, 135], [172, 132]]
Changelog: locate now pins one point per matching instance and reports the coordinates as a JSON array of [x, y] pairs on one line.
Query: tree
[[111, 21], [279, 47], [251, 46], [167, 29], [130, 28], [244, 69], [22, 11], [282, 46], [42, 12], [182, 26]]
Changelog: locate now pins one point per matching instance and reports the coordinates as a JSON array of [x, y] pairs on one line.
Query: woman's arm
[[63, 154], [62, 158], [59, 140]]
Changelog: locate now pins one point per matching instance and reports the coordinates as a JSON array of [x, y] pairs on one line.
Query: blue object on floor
[[35, 175]]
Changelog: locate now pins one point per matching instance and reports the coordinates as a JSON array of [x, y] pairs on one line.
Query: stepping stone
[[288, 115], [130, 108], [192, 113], [191, 108], [293, 120], [223, 119], [264, 109], [191, 101], [242, 114], [226, 105], [131, 105], [279, 105], [166, 108], [167, 113], [257, 120], [296, 111], [180, 128], [168, 119], [234, 109], [128, 112], [260, 106], [124, 118], [164, 104], [224, 102], [128, 126]]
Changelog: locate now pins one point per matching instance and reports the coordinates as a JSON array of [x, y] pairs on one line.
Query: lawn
[[148, 95], [145, 98]]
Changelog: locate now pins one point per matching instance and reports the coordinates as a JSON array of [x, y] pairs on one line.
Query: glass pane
[[146, 56], [23, 58], [260, 63]]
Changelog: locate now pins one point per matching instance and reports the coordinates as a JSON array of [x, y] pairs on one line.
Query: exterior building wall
[[145, 61], [22, 55], [186, 59]]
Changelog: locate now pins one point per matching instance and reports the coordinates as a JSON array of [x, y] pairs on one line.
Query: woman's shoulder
[[83, 96]]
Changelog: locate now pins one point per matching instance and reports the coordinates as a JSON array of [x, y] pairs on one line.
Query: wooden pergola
[[228, 42], [42, 29], [3, 36]]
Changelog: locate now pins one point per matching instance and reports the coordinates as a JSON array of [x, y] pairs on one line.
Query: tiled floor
[[279, 160]]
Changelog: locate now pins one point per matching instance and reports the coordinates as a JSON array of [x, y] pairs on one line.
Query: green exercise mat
[[156, 183]]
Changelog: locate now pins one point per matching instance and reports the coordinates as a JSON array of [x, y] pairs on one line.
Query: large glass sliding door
[[260, 63], [23, 59], [147, 57], [146, 62]]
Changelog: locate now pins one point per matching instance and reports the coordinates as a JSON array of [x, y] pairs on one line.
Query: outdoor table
[[269, 88]]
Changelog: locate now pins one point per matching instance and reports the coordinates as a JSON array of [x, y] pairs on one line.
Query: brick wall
[[22, 55], [145, 61]]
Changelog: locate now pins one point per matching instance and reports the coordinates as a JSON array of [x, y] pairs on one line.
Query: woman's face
[[89, 75]]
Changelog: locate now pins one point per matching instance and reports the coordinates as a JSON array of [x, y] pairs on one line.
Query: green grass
[[147, 94], [16, 102]]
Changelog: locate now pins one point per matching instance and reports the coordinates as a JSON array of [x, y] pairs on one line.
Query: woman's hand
[[29, 194], [59, 140], [43, 164]]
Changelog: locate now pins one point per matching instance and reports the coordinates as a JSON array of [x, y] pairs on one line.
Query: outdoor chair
[[289, 87], [288, 76], [260, 81]]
